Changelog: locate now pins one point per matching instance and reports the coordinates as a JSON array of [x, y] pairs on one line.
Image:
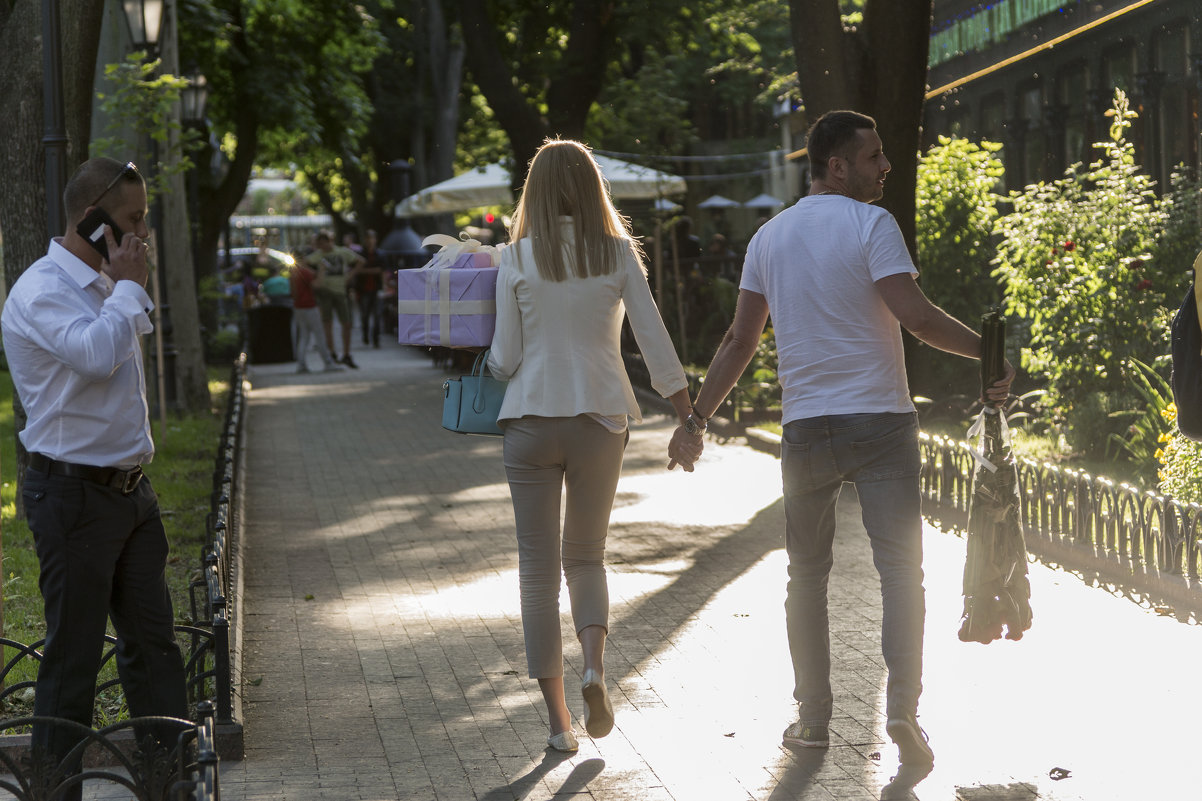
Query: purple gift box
[[452, 306]]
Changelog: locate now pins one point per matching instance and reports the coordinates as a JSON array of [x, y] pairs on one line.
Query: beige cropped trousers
[[543, 455]]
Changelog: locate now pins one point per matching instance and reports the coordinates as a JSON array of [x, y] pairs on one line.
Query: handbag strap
[[481, 363]]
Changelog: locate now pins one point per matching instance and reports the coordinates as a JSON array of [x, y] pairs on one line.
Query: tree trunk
[[515, 114], [179, 274], [23, 191], [880, 71], [898, 38], [446, 78]]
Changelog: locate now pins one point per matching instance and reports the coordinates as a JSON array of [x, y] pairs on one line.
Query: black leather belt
[[124, 480]]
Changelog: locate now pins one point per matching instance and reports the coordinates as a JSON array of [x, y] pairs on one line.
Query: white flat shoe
[[564, 741], [598, 712]]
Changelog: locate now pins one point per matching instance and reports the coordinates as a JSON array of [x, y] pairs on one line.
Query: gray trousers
[[543, 455], [308, 332]]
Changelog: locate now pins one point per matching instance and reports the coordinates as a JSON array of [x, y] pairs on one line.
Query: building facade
[[1039, 75]]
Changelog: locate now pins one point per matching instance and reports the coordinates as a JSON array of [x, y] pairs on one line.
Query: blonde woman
[[570, 274]]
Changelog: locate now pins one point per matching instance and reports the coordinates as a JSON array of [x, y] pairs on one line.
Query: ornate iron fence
[[1139, 540], [153, 759]]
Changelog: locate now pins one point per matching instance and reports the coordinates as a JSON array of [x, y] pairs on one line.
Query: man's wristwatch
[[693, 427]]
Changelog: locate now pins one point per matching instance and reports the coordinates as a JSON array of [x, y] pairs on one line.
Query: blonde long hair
[[564, 180]]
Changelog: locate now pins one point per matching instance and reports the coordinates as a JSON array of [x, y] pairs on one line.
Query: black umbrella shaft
[[993, 349]]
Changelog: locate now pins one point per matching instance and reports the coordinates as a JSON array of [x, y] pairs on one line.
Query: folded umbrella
[[997, 593]]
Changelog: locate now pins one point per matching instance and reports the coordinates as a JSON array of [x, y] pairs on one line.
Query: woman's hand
[[684, 449]]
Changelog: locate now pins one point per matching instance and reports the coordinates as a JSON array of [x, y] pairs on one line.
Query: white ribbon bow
[[450, 249], [977, 430]]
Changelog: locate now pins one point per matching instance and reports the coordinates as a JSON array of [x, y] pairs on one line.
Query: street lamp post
[[192, 99], [54, 139]]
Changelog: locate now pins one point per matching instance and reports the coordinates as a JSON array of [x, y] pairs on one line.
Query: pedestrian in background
[[333, 265], [367, 280], [835, 275], [307, 329], [569, 276], [72, 326]]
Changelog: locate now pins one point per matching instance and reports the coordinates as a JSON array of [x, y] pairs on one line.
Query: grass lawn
[[182, 474]]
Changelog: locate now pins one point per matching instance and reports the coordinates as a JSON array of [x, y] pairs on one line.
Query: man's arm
[[734, 354], [934, 326], [924, 319], [731, 359]]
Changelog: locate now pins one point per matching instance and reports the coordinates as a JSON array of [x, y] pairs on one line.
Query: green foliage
[[1182, 237], [481, 139], [644, 112], [957, 210], [759, 387], [1180, 462], [1147, 425], [286, 77], [1076, 258], [143, 101]]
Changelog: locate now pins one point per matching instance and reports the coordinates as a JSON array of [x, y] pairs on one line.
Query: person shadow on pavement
[[799, 776], [576, 781]]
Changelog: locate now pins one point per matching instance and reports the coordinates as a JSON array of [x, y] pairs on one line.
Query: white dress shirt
[[557, 342], [71, 337]]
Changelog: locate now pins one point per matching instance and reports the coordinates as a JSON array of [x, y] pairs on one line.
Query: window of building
[[1118, 69], [1072, 98], [1035, 163], [1176, 137], [993, 128]]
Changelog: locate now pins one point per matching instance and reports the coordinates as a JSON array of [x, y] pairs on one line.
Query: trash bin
[[269, 332]]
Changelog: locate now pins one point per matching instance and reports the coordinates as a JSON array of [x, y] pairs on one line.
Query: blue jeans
[[879, 454]]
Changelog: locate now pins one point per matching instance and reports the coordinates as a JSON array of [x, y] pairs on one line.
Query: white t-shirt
[[839, 347]]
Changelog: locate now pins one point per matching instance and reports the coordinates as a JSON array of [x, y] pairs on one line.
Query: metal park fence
[[1137, 540]]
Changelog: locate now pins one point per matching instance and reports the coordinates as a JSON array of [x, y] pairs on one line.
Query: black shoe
[[349, 362], [911, 742], [813, 735]]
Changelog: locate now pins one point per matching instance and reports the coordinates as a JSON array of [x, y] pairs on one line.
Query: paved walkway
[[383, 651]]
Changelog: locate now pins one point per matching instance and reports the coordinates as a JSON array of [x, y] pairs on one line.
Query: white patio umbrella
[[489, 186], [764, 201], [718, 202]]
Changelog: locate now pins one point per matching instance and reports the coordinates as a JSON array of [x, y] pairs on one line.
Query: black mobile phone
[[91, 228]]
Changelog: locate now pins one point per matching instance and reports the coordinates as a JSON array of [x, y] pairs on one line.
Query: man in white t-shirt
[[835, 275]]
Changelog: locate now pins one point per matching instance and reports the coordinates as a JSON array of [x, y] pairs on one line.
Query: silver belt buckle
[[132, 478]]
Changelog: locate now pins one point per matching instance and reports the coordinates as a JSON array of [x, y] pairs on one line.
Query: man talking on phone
[[72, 326]]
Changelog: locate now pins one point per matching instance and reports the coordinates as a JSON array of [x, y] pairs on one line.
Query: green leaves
[[143, 101], [1078, 259]]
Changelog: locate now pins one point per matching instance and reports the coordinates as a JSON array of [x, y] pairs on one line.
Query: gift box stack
[[452, 300]]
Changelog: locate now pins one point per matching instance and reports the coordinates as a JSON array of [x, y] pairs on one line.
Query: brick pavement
[[383, 652]]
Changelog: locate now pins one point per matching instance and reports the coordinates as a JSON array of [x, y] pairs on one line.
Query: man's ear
[[837, 166]]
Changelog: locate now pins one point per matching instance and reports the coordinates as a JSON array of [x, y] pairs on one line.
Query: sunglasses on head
[[130, 171]]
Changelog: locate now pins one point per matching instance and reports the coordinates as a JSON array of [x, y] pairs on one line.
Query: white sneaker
[[564, 741], [598, 712]]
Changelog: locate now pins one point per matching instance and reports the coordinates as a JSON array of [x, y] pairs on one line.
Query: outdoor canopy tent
[[489, 186]]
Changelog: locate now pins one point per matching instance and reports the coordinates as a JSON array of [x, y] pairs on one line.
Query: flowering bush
[[1076, 257], [1180, 463]]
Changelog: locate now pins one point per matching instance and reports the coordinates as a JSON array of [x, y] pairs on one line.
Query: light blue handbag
[[471, 403]]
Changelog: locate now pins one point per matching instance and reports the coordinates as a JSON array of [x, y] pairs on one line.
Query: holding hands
[[687, 443]]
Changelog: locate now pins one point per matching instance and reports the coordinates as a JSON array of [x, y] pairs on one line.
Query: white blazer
[[557, 342]]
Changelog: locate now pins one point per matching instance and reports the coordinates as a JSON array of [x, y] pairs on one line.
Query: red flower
[[1144, 284], [1136, 264], [1055, 252], [1070, 246]]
